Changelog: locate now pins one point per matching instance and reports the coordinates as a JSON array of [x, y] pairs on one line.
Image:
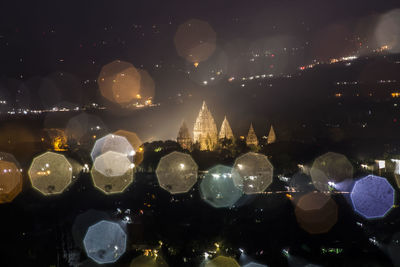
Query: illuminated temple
[[251, 139], [205, 130], [206, 136], [226, 131]]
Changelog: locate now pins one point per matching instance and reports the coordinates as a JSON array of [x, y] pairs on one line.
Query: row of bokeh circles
[[222, 186], [114, 159]]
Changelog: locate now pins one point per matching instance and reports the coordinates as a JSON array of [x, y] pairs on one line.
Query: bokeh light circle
[[218, 189], [135, 142], [50, 173], [372, 197], [119, 82], [10, 178], [316, 212], [113, 143], [177, 172], [112, 172], [331, 167], [105, 242], [195, 40], [252, 173]]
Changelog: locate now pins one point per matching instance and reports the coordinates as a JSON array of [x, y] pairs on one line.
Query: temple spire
[[205, 131], [184, 139], [251, 139], [271, 136], [226, 131], [204, 106]]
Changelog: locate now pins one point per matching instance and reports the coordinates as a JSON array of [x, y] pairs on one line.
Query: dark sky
[[79, 37], [27, 25]]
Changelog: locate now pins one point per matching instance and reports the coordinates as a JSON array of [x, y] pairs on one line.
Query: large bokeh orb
[[114, 143], [218, 189], [135, 142], [252, 173], [372, 197], [50, 173], [82, 223], [195, 40], [222, 261], [330, 167], [119, 82], [105, 242], [316, 212], [10, 178], [177, 172], [148, 261], [112, 172], [83, 129]]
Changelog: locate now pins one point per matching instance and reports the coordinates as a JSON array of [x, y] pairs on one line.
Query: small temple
[[184, 138], [271, 136], [251, 139], [226, 131]]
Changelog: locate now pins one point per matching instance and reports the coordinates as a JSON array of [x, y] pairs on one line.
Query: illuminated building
[[57, 139], [205, 131], [184, 139], [251, 139], [226, 131], [271, 136]]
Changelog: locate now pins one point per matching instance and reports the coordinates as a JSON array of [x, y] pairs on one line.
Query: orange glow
[[395, 94], [196, 64], [119, 82]]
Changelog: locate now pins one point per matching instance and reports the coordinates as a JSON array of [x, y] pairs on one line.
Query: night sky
[[41, 40], [37, 38]]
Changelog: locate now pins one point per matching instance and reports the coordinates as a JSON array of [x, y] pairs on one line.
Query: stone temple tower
[[184, 139], [205, 131], [271, 136], [225, 131], [251, 139]]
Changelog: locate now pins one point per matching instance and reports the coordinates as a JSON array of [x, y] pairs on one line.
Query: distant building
[[226, 131], [271, 136], [55, 138], [205, 131], [184, 139], [251, 139]]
